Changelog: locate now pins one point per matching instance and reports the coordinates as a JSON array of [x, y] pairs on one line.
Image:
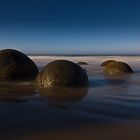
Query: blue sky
[[70, 26]]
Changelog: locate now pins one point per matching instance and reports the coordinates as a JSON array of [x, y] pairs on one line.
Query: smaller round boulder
[[107, 62], [82, 63], [62, 73], [14, 65], [114, 68]]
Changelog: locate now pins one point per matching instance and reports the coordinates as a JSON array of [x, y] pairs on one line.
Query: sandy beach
[[108, 109]]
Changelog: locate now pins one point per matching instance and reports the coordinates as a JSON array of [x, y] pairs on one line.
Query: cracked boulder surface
[[62, 73], [117, 67]]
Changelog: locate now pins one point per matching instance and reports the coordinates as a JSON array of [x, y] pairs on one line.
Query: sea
[[109, 109]]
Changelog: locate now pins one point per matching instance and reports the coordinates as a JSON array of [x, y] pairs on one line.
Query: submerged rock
[[107, 62], [82, 63], [62, 73], [16, 65], [114, 68]]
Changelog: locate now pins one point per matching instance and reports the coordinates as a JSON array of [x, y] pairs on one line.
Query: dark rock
[[114, 68], [62, 73], [107, 62], [16, 65], [82, 63]]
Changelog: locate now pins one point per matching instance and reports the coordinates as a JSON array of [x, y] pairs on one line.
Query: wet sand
[[103, 132]]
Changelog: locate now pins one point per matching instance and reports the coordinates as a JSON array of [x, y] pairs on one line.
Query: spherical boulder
[[82, 63], [14, 65], [62, 73], [107, 62], [114, 68]]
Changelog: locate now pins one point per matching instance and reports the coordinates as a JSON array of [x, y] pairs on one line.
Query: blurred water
[[114, 101]]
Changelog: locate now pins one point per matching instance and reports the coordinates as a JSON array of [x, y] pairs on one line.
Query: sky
[[70, 26]]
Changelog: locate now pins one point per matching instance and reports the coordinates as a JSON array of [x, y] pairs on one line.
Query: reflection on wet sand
[[64, 94], [119, 83], [119, 79], [57, 97], [15, 91]]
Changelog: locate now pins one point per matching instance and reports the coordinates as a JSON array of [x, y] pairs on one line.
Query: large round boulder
[[82, 63], [117, 67], [107, 62], [62, 73], [15, 65]]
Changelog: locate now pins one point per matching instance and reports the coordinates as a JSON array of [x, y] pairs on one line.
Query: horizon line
[[96, 54]]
